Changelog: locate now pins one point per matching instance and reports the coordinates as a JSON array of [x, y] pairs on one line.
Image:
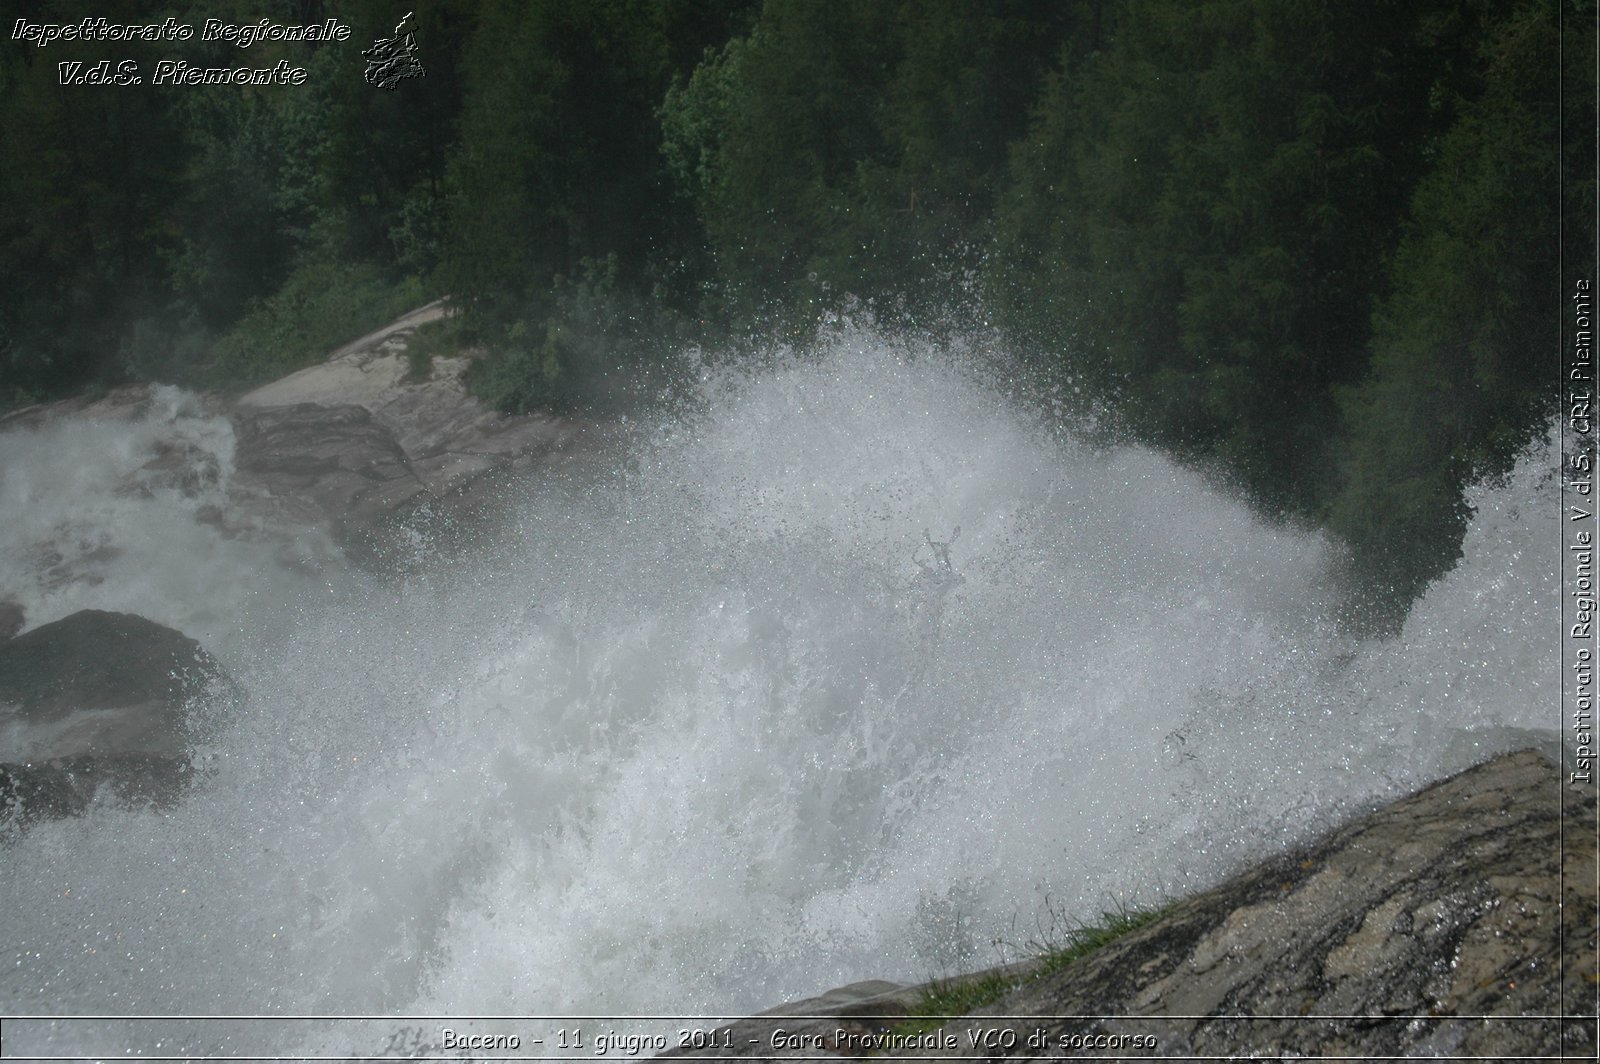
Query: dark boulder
[[11, 619], [97, 700], [65, 786]]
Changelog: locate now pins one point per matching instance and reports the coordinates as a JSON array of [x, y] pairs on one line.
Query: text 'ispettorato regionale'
[[174, 71]]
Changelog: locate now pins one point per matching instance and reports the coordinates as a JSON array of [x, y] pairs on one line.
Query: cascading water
[[839, 675]]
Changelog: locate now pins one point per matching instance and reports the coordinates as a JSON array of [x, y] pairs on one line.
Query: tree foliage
[[842, 147], [1465, 338], [1308, 243], [1215, 215]]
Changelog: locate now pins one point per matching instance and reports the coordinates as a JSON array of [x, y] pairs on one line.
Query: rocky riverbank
[[354, 447], [356, 460], [1457, 922]]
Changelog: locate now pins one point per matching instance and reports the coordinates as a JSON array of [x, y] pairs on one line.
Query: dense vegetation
[[1311, 244]]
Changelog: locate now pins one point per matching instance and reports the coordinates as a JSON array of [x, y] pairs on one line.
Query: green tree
[[560, 177], [851, 148], [88, 175], [1466, 338], [1200, 212], [558, 159]]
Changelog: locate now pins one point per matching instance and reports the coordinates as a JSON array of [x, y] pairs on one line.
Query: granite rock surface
[[1457, 922]]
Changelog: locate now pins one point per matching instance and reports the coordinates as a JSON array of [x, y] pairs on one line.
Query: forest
[[1316, 247]]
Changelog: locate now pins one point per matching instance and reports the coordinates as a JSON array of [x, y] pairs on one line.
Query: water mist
[[840, 672]]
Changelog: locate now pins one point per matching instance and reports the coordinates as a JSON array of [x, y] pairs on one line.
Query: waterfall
[[849, 668]]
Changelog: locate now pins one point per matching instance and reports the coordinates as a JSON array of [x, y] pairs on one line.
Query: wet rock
[[1458, 921], [447, 435], [124, 403], [354, 451], [95, 661], [329, 466], [359, 447], [66, 786], [99, 699], [178, 465], [848, 1021], [811, 1025], [11, 619]]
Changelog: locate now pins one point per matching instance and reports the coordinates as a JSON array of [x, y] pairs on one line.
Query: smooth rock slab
[[858, 1010], [329, 466], [1431, 927]]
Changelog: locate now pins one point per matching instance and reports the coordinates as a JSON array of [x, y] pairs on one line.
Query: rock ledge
[[1460, 921]]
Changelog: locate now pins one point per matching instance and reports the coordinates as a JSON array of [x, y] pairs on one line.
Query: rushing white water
[[117, 513], [841, 675]]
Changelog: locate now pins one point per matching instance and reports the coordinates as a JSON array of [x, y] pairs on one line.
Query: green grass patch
[[322, 306], [947, 1000], [449, 335], [590, 342], [951, 999], [1085, 939]]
